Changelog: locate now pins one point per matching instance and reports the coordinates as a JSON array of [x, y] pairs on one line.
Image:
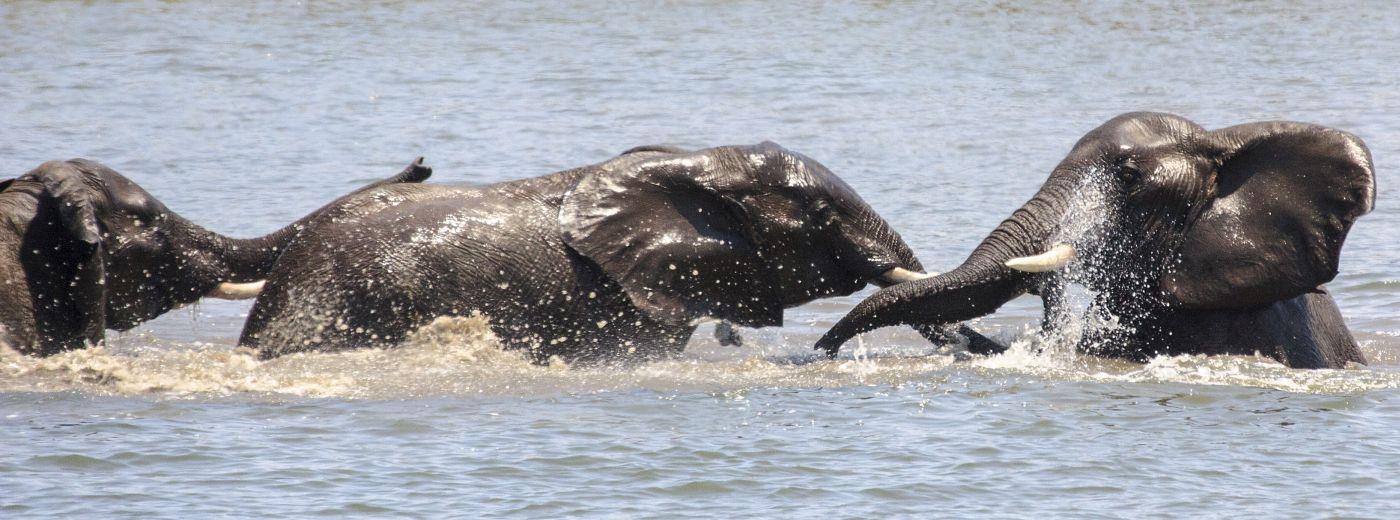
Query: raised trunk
[[977, 287]]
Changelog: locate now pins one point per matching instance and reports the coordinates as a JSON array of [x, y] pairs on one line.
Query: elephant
[[1191, 241], [616, 261], [83, 249]]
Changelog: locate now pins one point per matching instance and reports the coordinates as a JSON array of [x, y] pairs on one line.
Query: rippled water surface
[[945, 118]]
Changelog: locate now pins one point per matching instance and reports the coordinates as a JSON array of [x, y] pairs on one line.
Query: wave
[[1050, 360]]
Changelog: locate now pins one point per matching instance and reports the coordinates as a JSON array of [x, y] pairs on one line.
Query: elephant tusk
[[236, 291], [901, 275], [1057, 257]]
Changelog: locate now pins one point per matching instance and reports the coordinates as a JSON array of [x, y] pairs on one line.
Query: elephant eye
[[826, 215], [1128, 171]]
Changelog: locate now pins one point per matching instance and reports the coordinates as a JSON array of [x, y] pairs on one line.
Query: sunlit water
[[945, 119]]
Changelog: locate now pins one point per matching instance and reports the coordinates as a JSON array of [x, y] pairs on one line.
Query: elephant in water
[[1194, 241], [618, 259], [83, 249]]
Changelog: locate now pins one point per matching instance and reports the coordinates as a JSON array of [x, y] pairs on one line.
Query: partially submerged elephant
[[621, 258], [1195, 241], [83, 249]]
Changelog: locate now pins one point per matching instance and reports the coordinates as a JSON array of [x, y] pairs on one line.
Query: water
[[244, 117]]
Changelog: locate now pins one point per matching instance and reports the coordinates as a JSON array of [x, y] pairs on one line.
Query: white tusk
[[1057, 257], [236, 291], [901, 275]]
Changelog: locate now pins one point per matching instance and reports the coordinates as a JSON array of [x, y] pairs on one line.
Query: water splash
[[218, 369], [460, 357], [1086, 218], [1077, 320], [451, 356], [1029, 353]]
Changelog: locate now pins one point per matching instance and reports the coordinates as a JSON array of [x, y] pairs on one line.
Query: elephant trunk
[[234, 266], [983, 283], [249, 260], [880, 253]]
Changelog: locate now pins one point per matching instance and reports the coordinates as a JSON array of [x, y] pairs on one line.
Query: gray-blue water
[[244, 117]]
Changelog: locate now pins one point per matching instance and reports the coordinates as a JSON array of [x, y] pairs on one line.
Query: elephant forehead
[[693, 162], [1147, 129], [1148, 146], [1136, 134], [798, 175], [699, 166], [766, 159]]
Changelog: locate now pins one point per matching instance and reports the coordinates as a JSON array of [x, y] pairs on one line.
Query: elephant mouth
[[880, 269]]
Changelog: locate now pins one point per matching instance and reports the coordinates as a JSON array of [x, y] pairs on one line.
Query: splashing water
[[1085, 225], [451, 356], [1085, 220], [1035, 354], [460, 356]]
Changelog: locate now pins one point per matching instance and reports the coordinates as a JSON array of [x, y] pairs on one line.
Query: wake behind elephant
[[621, 258], [1193, 241], [84, 249]]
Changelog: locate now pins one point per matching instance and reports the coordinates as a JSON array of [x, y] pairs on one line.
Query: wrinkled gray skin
[[83, 249], [615, 260], [1212, 242]]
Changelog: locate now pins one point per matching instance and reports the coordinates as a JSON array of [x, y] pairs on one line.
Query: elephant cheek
[[123, 313], [838, 285], [824, 280]]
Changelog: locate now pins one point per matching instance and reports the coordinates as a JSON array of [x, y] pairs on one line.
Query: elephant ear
[[1286, 195], [64, 183], [669, 230]]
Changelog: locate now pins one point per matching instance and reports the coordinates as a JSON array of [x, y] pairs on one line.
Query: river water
[[945, 118]]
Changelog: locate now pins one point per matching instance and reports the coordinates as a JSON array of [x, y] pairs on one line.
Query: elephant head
[[733, 233], [99, 252], [1153, 212]]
